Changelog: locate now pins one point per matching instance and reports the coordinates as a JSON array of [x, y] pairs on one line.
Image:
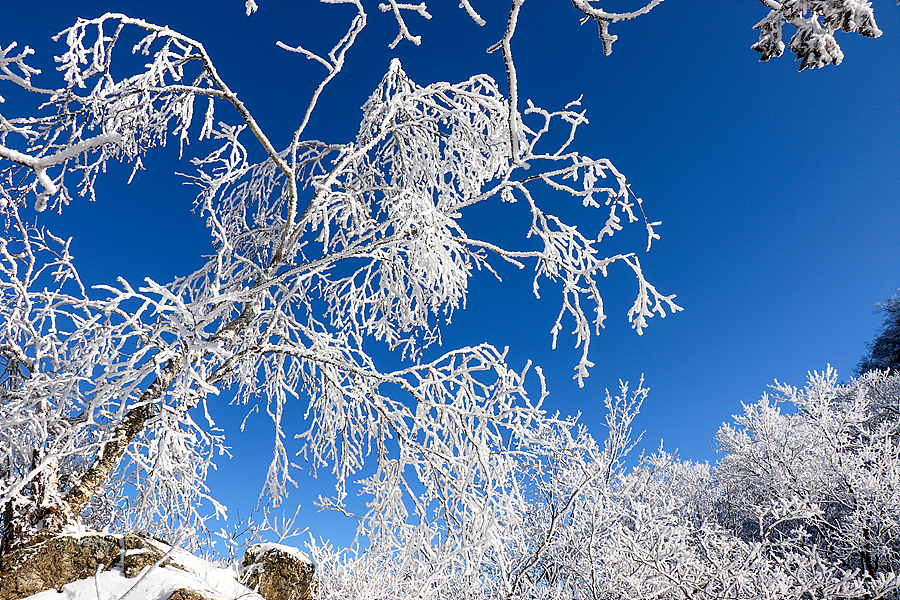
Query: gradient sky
[[779, 192]]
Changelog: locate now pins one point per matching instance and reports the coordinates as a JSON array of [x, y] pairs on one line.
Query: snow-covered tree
[[884, 351], [782, 516], [322, 251], [826, 476]]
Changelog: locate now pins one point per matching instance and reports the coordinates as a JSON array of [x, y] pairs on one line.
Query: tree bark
[[133, 423], [869, 565], [9, 529], [111, 452]]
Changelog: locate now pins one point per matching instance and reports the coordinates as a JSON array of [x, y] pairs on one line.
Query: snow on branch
[[473, 14], [404, 33], [604, 18], [134, 114], [816, 23], [23, 79], [40, 165], [335, 61]]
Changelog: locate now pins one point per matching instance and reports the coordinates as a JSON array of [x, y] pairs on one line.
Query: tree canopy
[[324, 250], [884, 350]]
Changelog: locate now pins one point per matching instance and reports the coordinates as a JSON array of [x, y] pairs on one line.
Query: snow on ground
[[157, 583]]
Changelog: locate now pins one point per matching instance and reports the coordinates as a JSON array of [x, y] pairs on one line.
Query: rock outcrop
[[186, 594], [56, 561], [139, 553], [277, 572], [53, 563]]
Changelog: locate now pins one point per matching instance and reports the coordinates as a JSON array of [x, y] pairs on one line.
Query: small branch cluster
[[816, 22], [404, 33], [604, 18]]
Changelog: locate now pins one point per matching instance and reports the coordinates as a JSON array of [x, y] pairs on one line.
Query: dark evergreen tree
[[884, 350]]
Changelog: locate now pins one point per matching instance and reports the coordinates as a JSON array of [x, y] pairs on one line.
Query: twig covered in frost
[[404, 33]]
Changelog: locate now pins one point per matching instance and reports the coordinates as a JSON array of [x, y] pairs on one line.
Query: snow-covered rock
[[52, 563], [75, 567], [278, 572], [186, 594]]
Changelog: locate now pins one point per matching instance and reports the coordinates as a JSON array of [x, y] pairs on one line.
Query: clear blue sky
[[779, 191]]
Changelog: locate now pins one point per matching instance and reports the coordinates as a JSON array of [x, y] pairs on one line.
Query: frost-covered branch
[[23, 78], [394, 7], [604, 18], [816, 23], [473, 14], [136, 112], [40, 165], [505, 44], [334, 63]]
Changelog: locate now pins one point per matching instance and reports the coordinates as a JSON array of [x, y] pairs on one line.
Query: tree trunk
[[20, 522], [865, 556], [133, 423], [10, 533], [89, 484], [43, 512]]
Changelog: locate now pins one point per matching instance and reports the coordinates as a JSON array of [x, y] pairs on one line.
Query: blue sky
[[779, 191]]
